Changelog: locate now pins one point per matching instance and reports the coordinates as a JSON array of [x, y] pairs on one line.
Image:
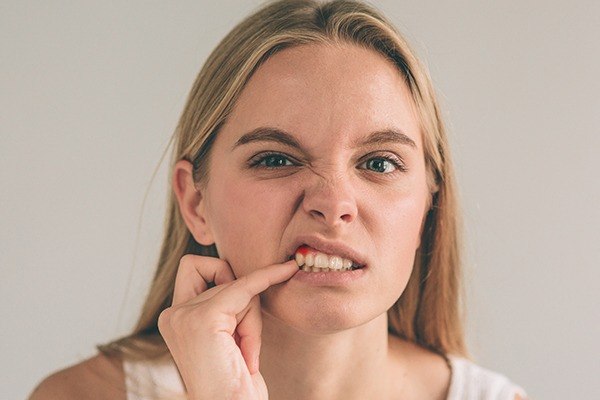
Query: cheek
[[247, 220], [399, 236], [403, 224]]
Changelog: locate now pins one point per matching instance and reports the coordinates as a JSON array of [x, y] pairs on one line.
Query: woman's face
[[328, 181]]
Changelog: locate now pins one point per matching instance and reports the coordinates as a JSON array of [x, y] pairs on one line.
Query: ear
[[192, 205]]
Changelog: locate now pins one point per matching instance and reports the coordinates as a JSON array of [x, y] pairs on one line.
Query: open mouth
[[311, 260]]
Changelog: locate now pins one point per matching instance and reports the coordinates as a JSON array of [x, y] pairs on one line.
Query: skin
[[317, 342], [330, 98]]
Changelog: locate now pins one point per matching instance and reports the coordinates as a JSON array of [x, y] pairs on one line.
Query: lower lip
[[331, 278]]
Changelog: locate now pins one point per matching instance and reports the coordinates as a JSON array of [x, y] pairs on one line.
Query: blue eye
[[383, 165], [273, 160]]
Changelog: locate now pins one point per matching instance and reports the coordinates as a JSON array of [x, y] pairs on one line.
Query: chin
[[322, 314]]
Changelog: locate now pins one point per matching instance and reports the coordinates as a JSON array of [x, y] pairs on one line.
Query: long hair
[[430, 310]]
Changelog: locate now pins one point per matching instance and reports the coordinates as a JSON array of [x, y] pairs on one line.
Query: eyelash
[[259, 158]]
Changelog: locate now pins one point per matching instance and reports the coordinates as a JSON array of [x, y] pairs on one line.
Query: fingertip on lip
[[293, 267]]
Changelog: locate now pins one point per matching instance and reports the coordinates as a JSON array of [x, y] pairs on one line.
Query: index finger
[[235, 298]]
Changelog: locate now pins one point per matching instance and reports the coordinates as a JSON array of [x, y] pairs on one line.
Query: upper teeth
[[324, 261]]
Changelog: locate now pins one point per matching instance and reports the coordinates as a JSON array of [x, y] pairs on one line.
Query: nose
[[331, 201]]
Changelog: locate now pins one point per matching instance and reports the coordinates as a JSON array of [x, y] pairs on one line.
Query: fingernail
[[294, 263]]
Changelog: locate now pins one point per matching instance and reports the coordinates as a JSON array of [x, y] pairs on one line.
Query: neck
[[350, 364]]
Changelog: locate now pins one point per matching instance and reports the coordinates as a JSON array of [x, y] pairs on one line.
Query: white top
[[146, 380]]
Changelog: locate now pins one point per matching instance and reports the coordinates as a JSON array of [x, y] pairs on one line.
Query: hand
[[214, 334]]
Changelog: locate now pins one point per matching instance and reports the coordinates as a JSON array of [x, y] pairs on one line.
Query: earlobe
[[192, 205]]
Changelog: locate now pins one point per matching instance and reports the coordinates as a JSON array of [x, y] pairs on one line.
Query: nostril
[[347, 218]]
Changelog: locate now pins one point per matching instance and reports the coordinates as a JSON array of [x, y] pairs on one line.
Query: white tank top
[[151, 380]]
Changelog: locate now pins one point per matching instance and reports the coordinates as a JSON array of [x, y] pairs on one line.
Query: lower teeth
[[316, 269]]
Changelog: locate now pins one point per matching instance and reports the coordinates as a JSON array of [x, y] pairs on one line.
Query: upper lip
[[329, 247]]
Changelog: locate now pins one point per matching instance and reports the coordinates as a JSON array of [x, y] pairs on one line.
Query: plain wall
[[91, 92]]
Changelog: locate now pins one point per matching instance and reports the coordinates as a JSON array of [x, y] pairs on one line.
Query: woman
[[312, 244]]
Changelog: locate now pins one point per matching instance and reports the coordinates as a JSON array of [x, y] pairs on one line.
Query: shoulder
[[96, 378], [470, 380]]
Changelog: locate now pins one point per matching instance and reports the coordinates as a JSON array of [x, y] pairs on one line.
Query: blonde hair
[[429, 312]]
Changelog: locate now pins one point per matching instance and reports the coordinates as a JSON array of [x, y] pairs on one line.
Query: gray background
[[91, 91]]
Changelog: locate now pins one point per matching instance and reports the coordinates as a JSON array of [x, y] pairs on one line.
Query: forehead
[[339, 89]]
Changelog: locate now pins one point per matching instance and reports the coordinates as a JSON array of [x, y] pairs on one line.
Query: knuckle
[[221, 265], [191, 261], [187, 260], [164, 318], [198, 320], [219, 262], [243, 284], [242, 281], [180, 319]]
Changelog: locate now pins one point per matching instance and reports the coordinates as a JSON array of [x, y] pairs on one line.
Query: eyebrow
[[271, 134], [268, 134], [386, 136]]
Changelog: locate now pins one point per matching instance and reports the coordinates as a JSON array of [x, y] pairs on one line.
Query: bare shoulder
[[96, 378], [429, 373]]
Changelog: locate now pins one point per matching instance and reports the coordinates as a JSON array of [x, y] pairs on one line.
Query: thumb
[[249, 330]]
